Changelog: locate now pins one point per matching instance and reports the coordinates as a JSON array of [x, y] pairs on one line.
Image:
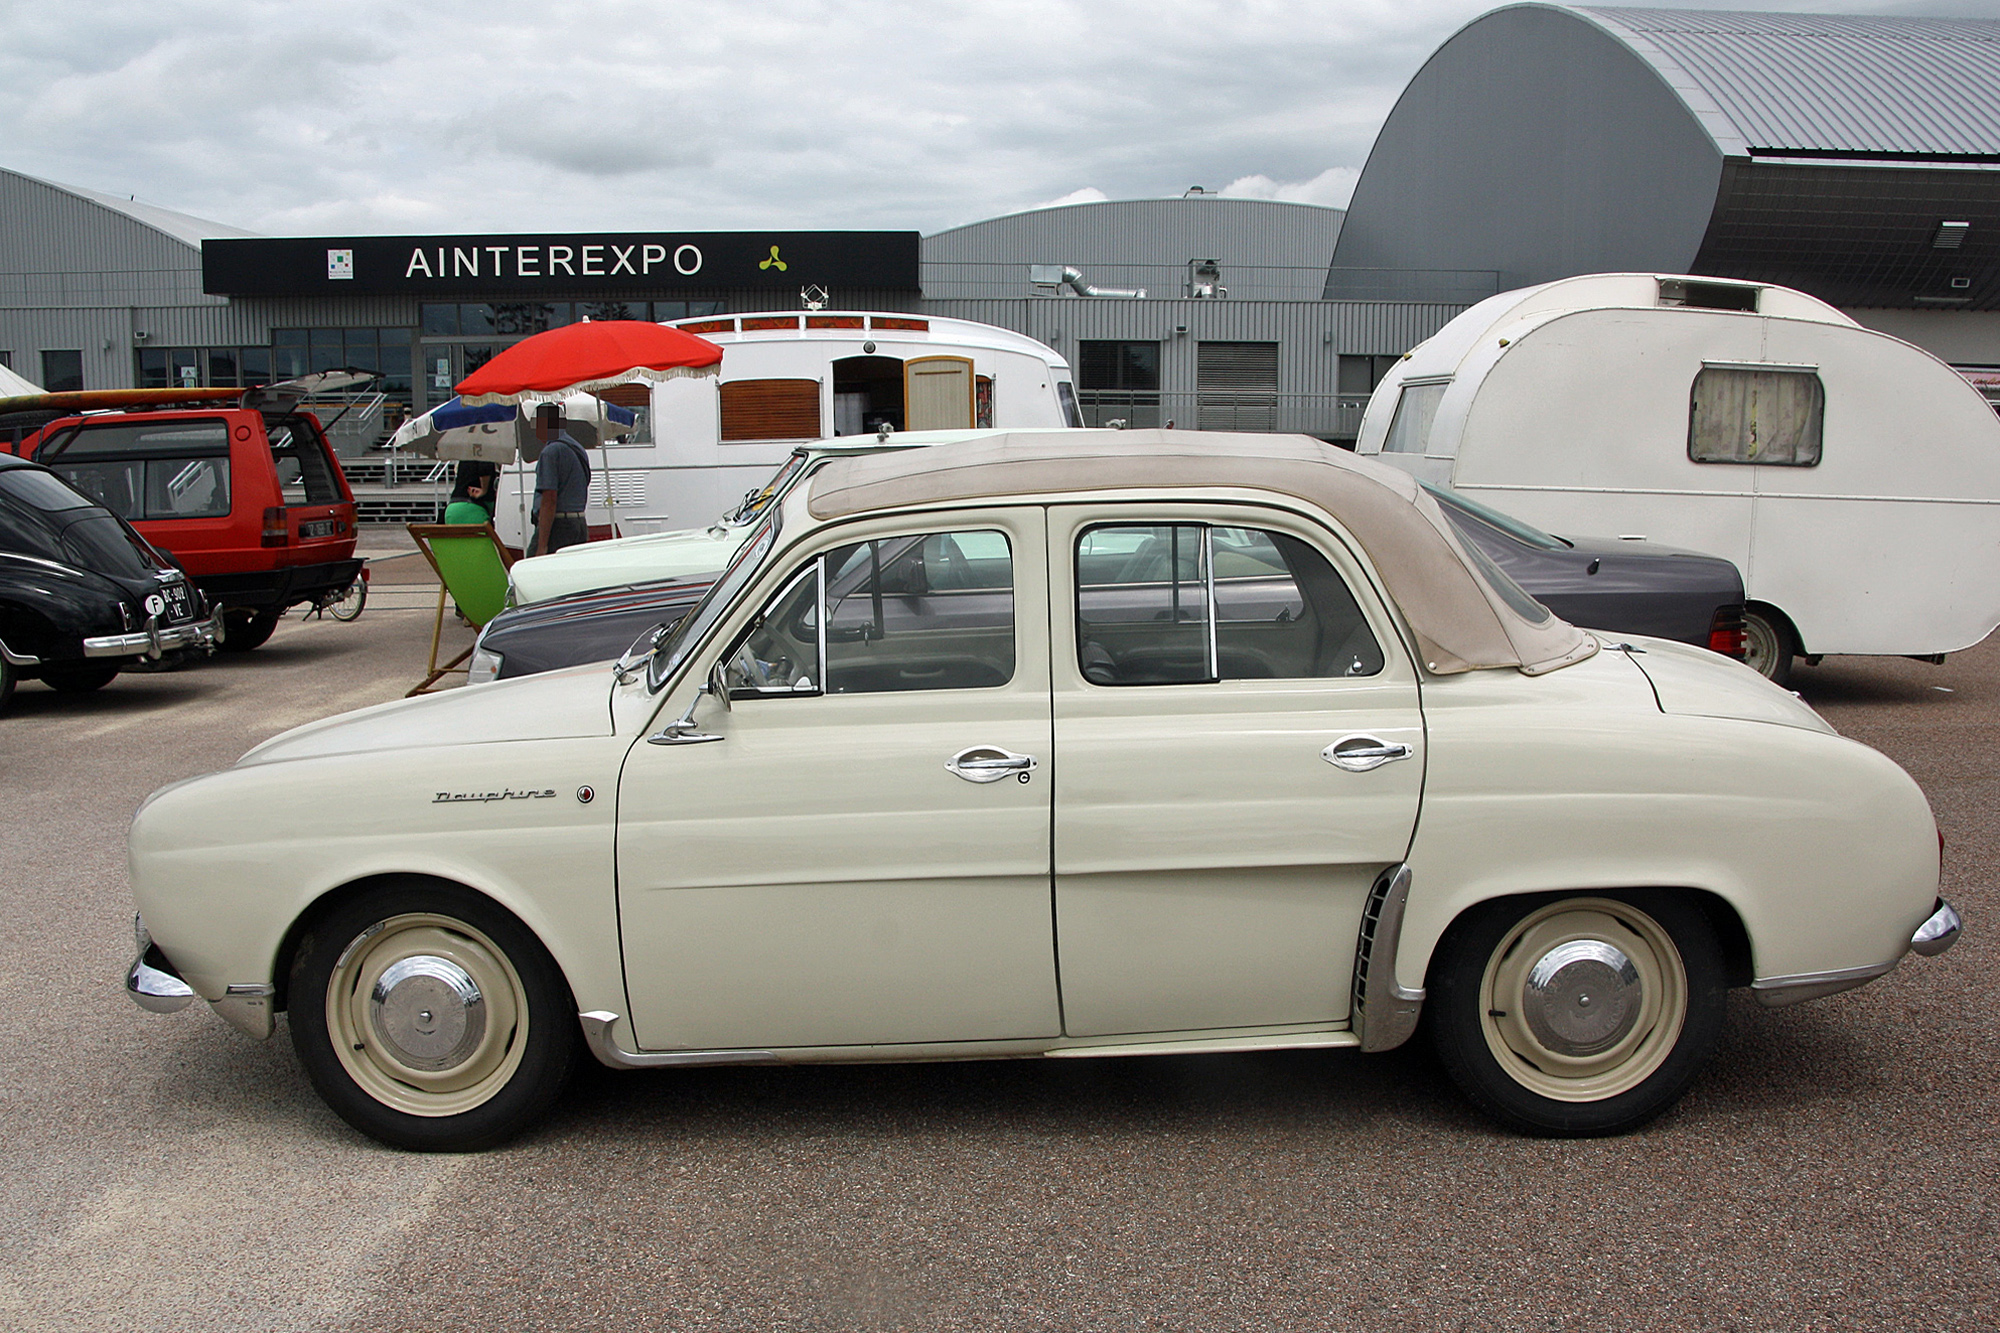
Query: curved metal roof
[[1823, 85]]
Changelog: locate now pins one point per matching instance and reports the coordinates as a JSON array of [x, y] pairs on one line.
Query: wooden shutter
[[771, 410]]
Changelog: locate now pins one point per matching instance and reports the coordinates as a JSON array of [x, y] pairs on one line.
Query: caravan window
[[1756, 414], [1416, 409]]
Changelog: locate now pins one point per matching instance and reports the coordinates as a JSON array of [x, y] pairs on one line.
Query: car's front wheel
[[1578, 1015], [429, 1018]]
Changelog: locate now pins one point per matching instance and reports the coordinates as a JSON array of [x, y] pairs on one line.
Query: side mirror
[[681, 730]]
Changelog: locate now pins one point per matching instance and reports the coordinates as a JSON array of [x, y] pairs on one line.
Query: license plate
[[180, 604], [319, 527]]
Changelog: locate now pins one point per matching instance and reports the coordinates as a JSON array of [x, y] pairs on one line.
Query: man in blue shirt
[[562, 486]]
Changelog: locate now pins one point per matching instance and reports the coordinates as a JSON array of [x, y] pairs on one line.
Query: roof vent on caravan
[[1709, 295]]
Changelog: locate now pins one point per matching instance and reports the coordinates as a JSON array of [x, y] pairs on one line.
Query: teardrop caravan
[[1854, 479], [792, 376]]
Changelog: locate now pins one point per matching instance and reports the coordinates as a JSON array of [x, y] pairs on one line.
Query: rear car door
[[1233, 780]]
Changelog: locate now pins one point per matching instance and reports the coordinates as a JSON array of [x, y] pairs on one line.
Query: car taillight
[[1725, 632], [275, 531]]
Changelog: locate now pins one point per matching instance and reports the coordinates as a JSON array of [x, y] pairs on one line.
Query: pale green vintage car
[[1126, 743]]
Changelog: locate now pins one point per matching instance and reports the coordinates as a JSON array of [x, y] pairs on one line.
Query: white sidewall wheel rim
[[474, 1076], [1764, 645], [1660, 1001]]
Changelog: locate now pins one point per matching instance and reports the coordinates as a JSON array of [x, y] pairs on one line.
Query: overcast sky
[[511, 115]]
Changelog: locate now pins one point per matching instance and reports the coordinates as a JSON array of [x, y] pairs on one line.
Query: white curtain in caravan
[[1745, 414]]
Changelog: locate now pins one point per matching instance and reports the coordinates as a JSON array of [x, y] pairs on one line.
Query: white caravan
[[1854, 479], [792, 376]]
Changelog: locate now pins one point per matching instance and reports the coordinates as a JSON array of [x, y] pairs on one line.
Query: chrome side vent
[[1384, 1013]]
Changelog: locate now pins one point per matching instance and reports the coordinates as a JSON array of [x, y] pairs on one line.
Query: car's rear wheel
[[430, 1019], [1578, 1015], [79, 680], [1767, 644], [245, 630]]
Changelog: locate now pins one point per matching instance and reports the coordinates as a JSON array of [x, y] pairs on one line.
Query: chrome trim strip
[[153, 640], [13, 658], [1385, 1012], [247, 1008], [1777, 992], [1939, 932], [154, 985], [597, 1025]]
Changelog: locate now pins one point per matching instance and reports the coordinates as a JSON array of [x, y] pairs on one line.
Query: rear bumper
[[157, 640], [272, 590]]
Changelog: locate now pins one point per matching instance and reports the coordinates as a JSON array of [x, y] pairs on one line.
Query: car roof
[[1462, 619]]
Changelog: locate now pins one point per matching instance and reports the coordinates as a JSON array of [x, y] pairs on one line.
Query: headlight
[[485, 668]]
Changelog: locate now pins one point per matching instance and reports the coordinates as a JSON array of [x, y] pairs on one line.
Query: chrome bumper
[[1939, 932], [155, 987], [155, 641]]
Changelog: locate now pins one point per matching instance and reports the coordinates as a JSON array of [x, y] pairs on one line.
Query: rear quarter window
[[148, 470]]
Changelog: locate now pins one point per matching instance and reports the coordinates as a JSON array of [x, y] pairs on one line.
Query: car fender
[[1762, 815], [224, 866]]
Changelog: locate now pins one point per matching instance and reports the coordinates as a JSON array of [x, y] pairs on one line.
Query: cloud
[[1089, 194], [1332, 187], [627, 114]]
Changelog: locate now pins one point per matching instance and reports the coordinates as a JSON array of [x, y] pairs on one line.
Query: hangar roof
[[1821, 85]]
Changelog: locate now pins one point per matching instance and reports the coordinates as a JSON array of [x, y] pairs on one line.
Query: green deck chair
[[471, 566]]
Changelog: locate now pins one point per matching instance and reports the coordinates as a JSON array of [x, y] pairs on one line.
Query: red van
[[245, 494]]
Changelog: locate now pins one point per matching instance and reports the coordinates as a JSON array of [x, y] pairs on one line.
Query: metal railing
[[948, 280], [1329, 416]]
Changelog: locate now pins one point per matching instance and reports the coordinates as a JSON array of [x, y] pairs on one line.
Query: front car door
[[1242, 754], [863, 857]]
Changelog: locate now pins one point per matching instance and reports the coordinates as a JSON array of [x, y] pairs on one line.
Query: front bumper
[[157, 988], [1939, 932], [156, 640]]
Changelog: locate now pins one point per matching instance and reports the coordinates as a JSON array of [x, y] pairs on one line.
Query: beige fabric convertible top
[[1462, 622]]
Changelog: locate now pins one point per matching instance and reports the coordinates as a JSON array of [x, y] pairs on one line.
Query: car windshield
[[743, 567], [1493, 518], [757, 501]]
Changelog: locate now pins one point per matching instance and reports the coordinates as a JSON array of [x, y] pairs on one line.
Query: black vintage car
[[82, 596], [1622, 587]]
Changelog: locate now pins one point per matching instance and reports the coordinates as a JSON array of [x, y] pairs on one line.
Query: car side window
[[146, 471], [927, 612], [1191, 603]]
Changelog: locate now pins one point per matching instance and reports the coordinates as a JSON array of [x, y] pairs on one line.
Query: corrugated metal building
[[1854, 158]]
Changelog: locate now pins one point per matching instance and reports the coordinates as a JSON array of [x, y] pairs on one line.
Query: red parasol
[[592, 355]]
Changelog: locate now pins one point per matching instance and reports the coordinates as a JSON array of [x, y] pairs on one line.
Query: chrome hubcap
[[1582, 997], [428, 1011]]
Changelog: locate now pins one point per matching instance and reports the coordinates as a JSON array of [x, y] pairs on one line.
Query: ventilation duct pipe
[[1074, 278]]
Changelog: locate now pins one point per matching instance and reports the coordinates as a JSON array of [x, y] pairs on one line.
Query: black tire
[[1767, 644], [7, 675], [244, 630], [470, 1080], [80, 679], [1543, 1060]]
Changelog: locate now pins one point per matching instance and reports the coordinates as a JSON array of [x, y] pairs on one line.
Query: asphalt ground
[[1834, 1169]]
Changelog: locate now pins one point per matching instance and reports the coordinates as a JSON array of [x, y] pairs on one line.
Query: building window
[[296, 352], [1118, 381], [1748, 414], [201, 367], [62, 372], [1360, 374], [1236, 386]]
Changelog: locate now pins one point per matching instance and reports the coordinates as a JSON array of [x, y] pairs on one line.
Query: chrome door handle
[[1358, 754], [989, 763]]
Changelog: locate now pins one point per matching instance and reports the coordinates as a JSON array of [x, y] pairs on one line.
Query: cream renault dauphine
[[1111, 744]]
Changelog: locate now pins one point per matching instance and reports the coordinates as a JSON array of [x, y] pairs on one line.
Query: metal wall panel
[[1267, 249]]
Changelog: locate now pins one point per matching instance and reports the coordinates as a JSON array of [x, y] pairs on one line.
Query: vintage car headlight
[[485, 667]]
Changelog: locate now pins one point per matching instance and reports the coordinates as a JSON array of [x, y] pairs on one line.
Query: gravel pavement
[[1835, 1169]]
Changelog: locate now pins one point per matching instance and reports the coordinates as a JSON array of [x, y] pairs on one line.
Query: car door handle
[[1358, 754], [989, 763]]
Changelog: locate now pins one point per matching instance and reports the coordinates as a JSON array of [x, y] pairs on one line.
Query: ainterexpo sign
[[558, 263]]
